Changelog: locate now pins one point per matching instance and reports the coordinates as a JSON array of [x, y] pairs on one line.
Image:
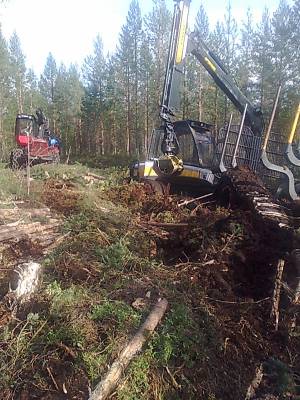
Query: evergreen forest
[[109, 105]]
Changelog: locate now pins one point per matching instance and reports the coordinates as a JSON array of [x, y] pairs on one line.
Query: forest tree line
[[110, 104]]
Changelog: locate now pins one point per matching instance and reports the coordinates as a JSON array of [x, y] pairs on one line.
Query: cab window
[[187, 148], [205, 145]]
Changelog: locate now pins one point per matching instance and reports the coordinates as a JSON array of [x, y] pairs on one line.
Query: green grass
[[185, 337], [138, 377], [95, 362], [18, 347], [12, 185], [117, 311]]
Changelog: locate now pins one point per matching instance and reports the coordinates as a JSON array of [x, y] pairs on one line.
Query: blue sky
[[67, 28]]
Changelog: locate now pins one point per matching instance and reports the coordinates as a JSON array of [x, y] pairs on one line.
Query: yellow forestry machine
[[241, 161], [187, 156]]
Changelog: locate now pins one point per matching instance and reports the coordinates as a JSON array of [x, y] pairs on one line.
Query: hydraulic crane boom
[[173, 76], [254, 117], [174, 69]]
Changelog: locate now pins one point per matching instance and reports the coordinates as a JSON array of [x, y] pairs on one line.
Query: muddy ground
[[123, 247]]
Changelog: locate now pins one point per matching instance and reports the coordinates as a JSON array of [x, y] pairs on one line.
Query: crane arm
[[254, 117], [174, 70]]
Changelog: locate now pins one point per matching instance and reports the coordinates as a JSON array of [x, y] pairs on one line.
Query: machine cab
[[196, 143], [25, 128]]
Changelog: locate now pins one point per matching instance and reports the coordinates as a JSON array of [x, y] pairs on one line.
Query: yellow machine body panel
[[147, 170]]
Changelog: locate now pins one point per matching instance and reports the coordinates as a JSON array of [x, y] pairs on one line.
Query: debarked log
[[112, 378]]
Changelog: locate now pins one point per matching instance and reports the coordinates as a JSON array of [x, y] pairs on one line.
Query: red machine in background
[[36, 144]]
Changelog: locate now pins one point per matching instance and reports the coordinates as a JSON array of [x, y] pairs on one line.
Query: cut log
[[251, 391], [97, 177], [111, 380], [276, 294]]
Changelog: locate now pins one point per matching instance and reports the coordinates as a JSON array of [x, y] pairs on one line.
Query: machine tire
[[17, 160]]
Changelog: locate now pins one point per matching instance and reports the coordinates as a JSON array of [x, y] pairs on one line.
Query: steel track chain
[[249, 187]]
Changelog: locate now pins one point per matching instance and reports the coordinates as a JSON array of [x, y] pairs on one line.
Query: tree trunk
[[128, 144], [216, 108], [200, 88]]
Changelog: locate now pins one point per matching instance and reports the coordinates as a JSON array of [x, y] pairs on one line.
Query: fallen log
[[97, 177], [112, 378], [256, 381]]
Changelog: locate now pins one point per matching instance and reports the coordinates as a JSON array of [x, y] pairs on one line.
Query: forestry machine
[[36, 144], [187, 156]]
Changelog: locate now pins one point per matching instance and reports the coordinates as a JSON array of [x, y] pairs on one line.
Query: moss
[[118, 311]]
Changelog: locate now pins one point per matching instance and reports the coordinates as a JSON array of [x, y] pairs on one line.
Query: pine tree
[[263, 67], [112, 118], [134, 22], [246, 51], [18, 70], [33, 98], [158, 29], [7, 116], [199, 81], [215, 97], [47, 85], [295, 48], [75, 94], [230, 57], [93, 105], [283, 60], [61, 104], [146, 71], [67, 101], [128, 56]]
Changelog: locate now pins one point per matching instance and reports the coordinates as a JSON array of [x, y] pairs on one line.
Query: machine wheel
[[17, 159]]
